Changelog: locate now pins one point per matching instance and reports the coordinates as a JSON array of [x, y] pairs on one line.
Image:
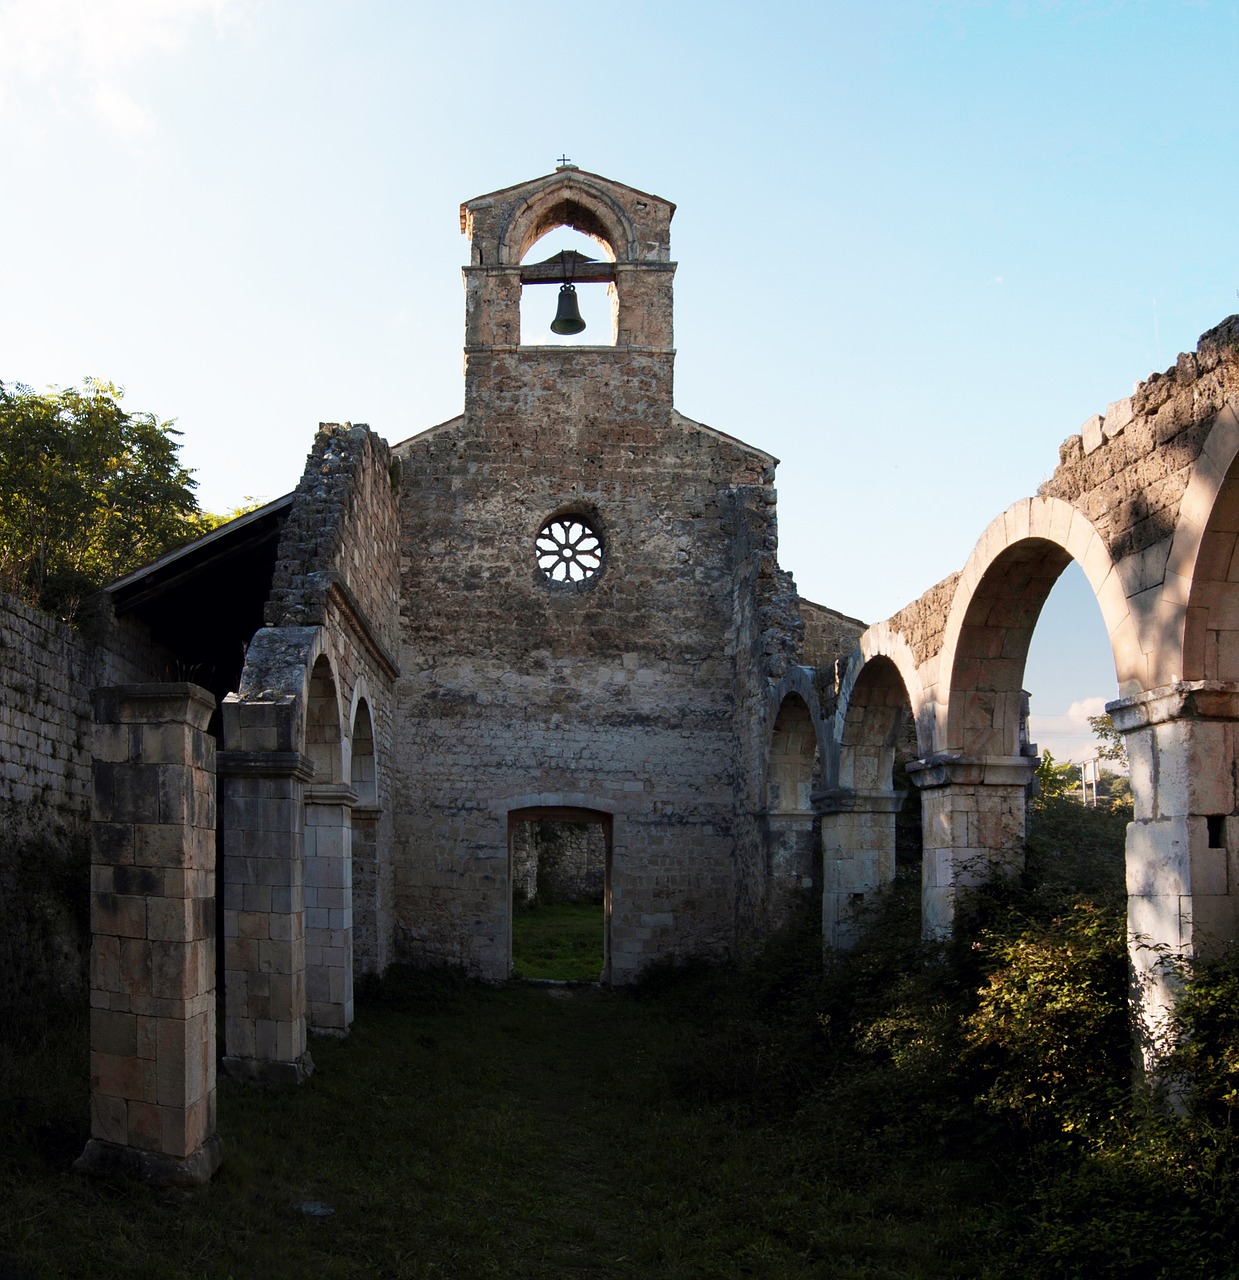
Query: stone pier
[[858, 856], [152, 972], [972, 811], [1182, 844], [263, 783]]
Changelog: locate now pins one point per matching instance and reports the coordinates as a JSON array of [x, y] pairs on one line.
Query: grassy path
[[469, 1132]]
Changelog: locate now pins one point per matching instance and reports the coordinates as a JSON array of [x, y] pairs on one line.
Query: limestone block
[[1091, 434], [1158, 858]]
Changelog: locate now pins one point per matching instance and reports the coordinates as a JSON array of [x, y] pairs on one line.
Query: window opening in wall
[[1217, 830], [594, 298], [560, 893], [569, 550]]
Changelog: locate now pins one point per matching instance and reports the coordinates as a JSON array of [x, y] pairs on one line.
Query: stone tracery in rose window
[[569, 551]]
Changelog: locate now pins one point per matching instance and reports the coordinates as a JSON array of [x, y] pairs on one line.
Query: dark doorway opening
[[559, 863]]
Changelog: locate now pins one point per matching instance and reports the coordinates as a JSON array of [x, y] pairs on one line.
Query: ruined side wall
[[47, 670], [1128, 468], [617, 697], [337, 578]]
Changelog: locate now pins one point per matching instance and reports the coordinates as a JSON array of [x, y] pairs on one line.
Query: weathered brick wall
[[47, 670], [619, 696], [828, 635]]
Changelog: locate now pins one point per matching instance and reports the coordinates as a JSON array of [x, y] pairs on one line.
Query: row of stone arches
[[305, 866], [1169, 599]]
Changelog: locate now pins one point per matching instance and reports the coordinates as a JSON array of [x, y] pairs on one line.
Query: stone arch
[[568, 200], [792, 769], [363, 765], [997, 601], [324, 741], [1199, 601], [859, 811], [328, 859]]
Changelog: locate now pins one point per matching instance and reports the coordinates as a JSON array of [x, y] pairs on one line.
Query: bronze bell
[[568, 317]]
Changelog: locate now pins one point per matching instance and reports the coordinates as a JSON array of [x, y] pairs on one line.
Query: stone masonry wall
[[47, 670], [618, 696], [1128, 468]]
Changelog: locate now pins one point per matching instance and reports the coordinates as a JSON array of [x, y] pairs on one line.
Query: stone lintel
[[193, 1170], [566, 352], [1185, 700], [264, 764], [330, 793], [947, 770], [264, 1071], [173, 703], [849, 801]]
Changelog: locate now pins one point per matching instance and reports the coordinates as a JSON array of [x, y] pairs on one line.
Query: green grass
[[763, 1119], [465, 1131], [562, 941]]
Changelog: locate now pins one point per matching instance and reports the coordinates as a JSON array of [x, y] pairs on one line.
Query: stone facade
[[627, 693], [565, 606]]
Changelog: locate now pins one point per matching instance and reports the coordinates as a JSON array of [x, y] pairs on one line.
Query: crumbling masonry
[[564, 606]]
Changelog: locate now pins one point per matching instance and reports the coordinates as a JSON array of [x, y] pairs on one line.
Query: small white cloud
[[1068, 736], [70, 55], [996, 280]]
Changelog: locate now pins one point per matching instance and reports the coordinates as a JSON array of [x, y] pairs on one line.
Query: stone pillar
[[790, 856], [858, 856], [372, 892], [329, 906], [263, 781], [152, 964], [972, 810], [1183, 842]]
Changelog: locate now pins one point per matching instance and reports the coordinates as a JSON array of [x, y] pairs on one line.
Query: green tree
[[1054, 779], [1110, 743], [88, 492]]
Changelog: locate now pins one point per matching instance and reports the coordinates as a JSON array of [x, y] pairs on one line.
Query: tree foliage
[[1110, 743], [88, 492]]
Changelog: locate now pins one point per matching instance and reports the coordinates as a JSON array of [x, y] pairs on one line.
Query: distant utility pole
[[1090, 771]]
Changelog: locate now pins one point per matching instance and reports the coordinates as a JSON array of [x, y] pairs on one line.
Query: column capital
[[947, 769], [330, 793], [846, 800], [173, 703], [264, 764], [1183, 700]]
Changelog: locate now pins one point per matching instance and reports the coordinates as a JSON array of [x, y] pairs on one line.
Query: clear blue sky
[[919, 243]]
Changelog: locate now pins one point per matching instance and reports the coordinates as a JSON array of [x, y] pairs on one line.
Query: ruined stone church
[[309, 744], [563, 605]]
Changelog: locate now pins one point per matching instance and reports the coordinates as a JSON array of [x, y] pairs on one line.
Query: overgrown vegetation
[[906, 1111]]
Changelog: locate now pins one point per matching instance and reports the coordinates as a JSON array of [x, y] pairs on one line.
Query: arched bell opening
[[562, 256]]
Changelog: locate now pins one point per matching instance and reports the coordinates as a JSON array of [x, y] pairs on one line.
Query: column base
[[156, 1167], [273, 1073]]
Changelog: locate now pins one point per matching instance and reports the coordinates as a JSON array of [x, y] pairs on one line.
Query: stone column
[[372, 891], [789, 870], [263, 781], [858, 856], [329, 906], [152, 965], [1183, 842], [972, 810]]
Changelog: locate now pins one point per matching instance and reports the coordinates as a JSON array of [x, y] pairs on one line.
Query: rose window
[[569, 550]]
